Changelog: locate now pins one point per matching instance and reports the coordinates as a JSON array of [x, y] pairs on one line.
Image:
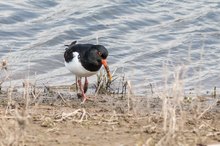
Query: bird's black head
[[101, 51], [102, 54]]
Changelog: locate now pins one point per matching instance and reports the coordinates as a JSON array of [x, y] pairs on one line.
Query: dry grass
[[168, 119], [174, 112]]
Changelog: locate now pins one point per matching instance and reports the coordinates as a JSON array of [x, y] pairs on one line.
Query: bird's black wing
[[80, 48]]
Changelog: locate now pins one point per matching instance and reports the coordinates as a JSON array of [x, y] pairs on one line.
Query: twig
[[65, 116], [63, 99], [83, 115], [35, 95], [97, 91], [206, 110]]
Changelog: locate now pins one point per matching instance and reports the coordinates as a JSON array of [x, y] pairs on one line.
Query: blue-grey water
[[148, 41]]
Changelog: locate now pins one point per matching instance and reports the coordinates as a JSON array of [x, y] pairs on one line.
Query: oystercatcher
[[85, 60]]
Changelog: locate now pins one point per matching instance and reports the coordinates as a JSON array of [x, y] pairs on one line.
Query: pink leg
[[77, 89], [82, 90], [86, 85]]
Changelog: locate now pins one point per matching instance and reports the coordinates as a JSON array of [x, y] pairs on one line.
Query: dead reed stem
[[79, 113], [128, 83]]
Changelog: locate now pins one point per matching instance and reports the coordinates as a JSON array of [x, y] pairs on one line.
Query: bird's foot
[[82, 96], [83, 101]]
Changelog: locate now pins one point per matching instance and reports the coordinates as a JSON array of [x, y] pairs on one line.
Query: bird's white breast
[[76, 67]]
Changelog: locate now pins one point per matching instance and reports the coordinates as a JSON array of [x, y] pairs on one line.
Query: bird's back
[[79, 48]]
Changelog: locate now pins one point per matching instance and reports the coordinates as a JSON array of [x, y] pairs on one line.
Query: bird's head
[[102, 54]]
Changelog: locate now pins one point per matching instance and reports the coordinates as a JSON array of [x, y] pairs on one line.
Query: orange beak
[[104, 62]]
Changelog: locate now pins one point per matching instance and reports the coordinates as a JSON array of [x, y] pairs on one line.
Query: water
[[147, 40]]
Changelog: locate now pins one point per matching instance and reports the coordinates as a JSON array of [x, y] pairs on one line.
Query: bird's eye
[[99, 53]]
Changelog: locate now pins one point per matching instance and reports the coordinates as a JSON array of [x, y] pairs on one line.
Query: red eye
[[99, 53]]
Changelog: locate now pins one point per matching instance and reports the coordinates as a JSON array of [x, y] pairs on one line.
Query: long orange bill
[[104, 62]]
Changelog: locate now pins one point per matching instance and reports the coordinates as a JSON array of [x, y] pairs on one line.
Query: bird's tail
[[72, 44]]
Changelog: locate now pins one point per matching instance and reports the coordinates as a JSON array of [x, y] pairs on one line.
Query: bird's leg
[[79, 95], [86, 85], [82, 90], [77, 89]]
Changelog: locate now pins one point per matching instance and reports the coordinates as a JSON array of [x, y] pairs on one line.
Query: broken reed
[[118, 85], [4, 72], [14, 120]]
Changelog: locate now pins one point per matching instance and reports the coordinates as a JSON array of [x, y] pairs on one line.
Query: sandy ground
[[59, 119]]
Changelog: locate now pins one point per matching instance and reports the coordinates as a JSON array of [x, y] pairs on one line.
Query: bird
[[84, 60]]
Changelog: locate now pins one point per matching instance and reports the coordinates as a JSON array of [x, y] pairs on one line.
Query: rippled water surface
[[147, 40]]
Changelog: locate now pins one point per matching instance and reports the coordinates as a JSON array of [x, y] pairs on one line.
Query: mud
[[59, 119]]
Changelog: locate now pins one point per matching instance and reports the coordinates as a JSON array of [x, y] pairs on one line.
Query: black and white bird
[[84, 60]]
